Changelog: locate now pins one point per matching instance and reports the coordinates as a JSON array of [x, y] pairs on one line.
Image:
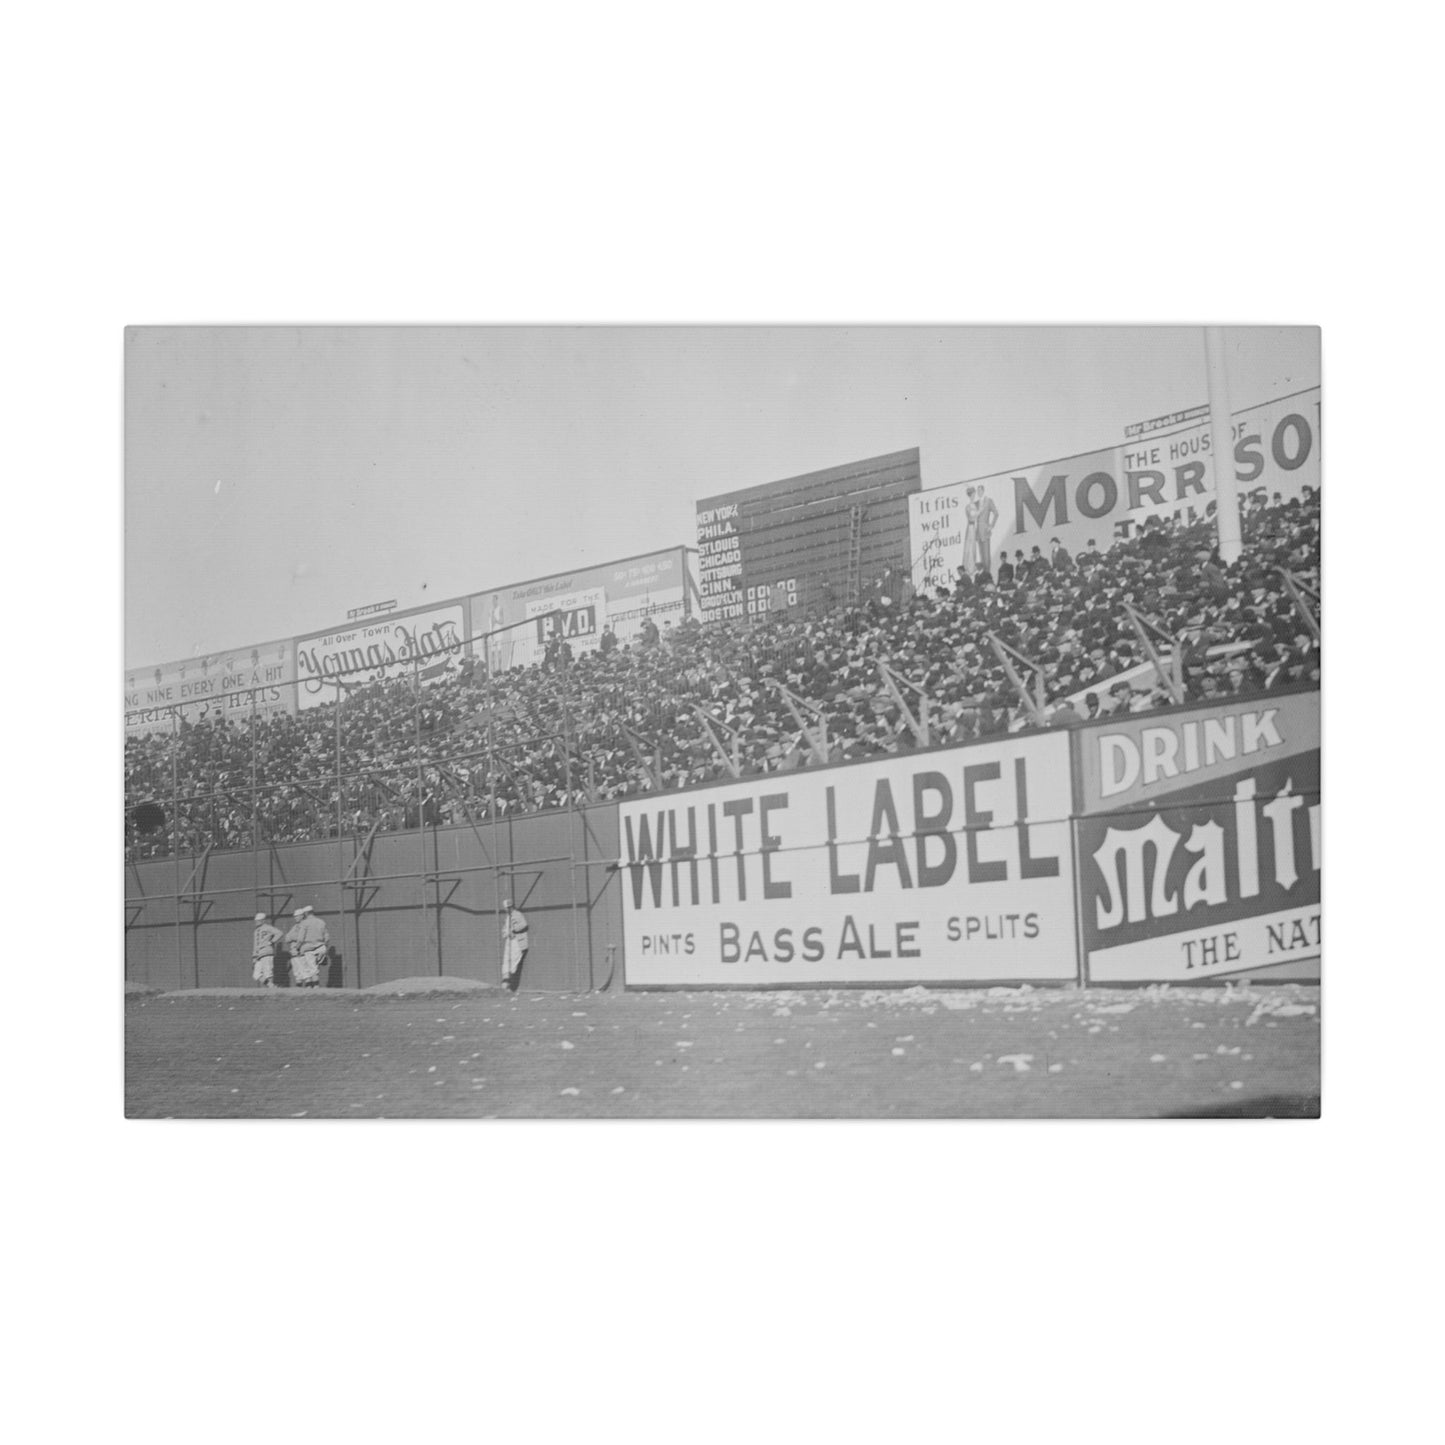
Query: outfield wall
[[1173, 846], [390, 923]]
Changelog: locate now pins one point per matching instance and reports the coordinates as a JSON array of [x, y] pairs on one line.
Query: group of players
[[307, 948]]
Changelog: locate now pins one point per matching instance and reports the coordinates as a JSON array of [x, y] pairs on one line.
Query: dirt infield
[[871, 1054]]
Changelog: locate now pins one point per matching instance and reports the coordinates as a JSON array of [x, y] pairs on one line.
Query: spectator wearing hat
[[308, 943], [1117, 699], [1059, 558], [1214, 573], [263, 952]]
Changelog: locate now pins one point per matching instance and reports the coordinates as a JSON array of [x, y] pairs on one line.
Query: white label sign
[[938, 867]]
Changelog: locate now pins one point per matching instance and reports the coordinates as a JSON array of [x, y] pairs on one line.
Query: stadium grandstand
[[1154, 621]]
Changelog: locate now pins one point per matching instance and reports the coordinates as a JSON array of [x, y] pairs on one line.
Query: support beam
[[519, 774], [1033, 701], [363, 855], [184, 890], [574, 760], [895, 683], [651, 768], [1221, 444], [691, 592], [729, 758], [1171, 674], [377, 781], [448, 776], [801, 710], [1298, 592]]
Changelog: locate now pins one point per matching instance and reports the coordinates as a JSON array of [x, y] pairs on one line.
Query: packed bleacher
[[473, 747]]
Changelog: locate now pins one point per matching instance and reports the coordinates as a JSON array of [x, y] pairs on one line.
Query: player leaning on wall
[[514, 944]]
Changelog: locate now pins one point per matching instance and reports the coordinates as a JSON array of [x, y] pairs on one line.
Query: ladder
[[855, 555]]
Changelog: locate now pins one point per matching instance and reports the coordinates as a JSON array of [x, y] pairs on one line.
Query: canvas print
[[722, 722]]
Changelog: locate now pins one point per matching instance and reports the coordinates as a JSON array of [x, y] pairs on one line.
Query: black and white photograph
[[666, 751], [723, 721]]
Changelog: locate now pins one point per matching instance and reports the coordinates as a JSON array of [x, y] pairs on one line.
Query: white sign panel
[[1260, 940], [246, 682], [1108, 495], [427, 644], [518, 621], [577, 618], [940, 867]]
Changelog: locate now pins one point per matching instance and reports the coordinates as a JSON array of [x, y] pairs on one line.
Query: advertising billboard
[[226, 684], [941, 867], [519, 620], [1199, 844], [1107, 495], [426, 642]]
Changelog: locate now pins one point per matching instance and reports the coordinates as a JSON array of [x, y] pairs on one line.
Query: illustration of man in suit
[[983, 532]]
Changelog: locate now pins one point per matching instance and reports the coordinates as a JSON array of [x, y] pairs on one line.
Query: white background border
[[1049, 162]]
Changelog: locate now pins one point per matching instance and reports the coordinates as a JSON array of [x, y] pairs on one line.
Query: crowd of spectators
[[629, 717]]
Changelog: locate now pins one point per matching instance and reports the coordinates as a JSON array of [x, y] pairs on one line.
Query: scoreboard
[[804, 542]]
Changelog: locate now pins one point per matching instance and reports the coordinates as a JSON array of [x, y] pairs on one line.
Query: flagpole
[[1221, 444]]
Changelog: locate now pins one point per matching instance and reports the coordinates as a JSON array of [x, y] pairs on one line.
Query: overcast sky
[[277, 476]]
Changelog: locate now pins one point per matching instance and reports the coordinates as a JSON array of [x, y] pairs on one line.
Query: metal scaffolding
[[354, 800]]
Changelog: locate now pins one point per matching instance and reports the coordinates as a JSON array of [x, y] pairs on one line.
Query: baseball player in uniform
[[263, 952], [514, 943], [309, 943]]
